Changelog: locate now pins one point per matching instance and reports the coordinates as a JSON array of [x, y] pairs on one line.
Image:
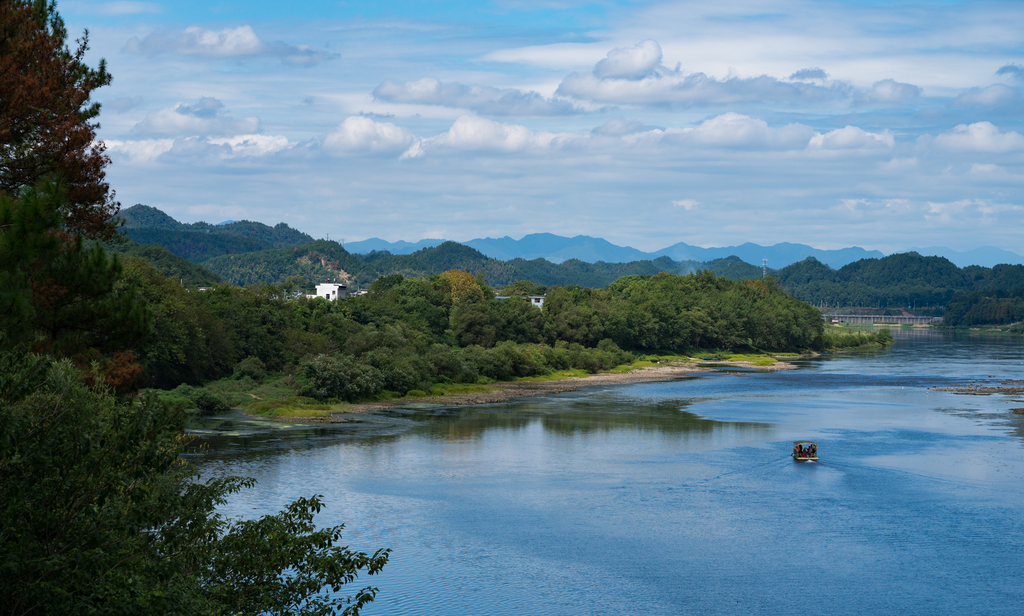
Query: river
[[681, 497]]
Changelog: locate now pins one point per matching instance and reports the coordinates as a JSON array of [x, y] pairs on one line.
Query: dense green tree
[[60, 296], [519, 321], [101, 514]]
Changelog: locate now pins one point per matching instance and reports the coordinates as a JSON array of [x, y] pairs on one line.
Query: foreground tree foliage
[[47, 118], [60, 297], [101, 514]]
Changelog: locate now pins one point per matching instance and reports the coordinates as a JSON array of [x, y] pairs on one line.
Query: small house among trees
[[331, 290]]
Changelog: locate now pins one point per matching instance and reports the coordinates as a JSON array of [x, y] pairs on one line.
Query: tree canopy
[[47, 116], [100, 513]]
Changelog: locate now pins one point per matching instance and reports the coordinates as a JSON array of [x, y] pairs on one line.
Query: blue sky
[[882, 125]]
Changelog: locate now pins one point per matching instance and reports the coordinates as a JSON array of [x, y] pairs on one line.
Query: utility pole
[[764, 267]]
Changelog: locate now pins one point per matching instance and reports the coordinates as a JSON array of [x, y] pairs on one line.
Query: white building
[[535, 300], [331, 290]]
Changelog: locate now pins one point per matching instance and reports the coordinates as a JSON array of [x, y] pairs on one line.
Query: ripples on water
[[680, 497]]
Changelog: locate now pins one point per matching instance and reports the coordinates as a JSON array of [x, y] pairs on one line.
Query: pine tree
[[58, 296], [47, 120]]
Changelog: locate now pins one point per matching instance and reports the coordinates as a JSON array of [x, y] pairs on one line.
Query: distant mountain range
[[249, 253], [558, 249]]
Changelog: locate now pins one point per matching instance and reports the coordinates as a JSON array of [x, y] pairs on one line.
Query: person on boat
[[796, 450]]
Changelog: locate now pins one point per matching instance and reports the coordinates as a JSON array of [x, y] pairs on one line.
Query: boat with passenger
[[805, 451]]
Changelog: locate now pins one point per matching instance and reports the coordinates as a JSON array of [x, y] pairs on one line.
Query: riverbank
[[505, 391]]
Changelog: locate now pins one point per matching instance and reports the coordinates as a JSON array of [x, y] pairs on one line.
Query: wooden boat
[[805, 451]]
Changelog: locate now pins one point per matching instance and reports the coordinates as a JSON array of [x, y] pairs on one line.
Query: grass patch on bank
[[453, 389], [295, 407], [759, 359], [557, 375], [438, 390]]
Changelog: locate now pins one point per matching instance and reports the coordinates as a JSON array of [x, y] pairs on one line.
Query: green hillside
[[315, 261], [196, 246], [246, 253], [166, 262], [902, 280], [146, 217], [324, 259], [200, 241]]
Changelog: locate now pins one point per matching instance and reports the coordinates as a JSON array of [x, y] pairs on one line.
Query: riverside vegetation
[[445, 333]]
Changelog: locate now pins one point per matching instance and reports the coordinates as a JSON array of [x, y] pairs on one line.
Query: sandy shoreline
[[505, 391]]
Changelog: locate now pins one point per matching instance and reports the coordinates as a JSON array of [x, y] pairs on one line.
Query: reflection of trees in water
[[578, 417], [239, 439]]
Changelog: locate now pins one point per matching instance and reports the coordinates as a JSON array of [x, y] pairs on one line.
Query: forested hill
[[167, 263], [324, 259], [906, 279], [200, 241]]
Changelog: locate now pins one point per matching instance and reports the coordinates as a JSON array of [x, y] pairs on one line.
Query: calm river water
[[681, 497]]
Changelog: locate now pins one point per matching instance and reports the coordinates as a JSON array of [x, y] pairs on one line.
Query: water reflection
[[582, 415], [237, 436]]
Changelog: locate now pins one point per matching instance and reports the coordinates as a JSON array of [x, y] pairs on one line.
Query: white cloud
[[473, 133], [994, 95], [143, 150], [734, 130], [362, 134], [727, 131], [980, 137], [635, 75], [633, 62], [686, 204], [227, 43], [852, 138], [889, 92], [667, 86], [482, 99], [240, 41], [946, 212], [201, 119], [252, 145]]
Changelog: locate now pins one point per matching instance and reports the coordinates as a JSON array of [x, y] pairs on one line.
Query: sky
[[885, 125]]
